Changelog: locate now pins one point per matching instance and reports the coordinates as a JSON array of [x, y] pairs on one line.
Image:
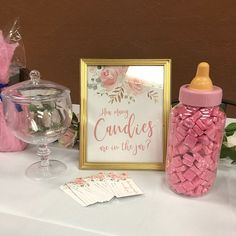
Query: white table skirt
[[41, 208]]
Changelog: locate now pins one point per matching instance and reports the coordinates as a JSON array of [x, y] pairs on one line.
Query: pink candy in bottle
[[195, 136]]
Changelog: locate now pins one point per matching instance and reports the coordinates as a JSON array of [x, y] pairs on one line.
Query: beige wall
[[58, 33]]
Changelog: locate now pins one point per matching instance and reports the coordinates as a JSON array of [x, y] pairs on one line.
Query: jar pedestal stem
[[45, 168]]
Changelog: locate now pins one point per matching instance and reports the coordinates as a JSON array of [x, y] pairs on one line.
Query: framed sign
[[124, 113]]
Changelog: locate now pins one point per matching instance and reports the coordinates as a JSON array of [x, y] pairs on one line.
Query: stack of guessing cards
[[101, 188]]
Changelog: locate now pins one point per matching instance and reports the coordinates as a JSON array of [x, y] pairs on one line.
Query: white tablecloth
[[41, 208]]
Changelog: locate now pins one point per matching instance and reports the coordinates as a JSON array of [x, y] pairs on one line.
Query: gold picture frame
[[113, 90]]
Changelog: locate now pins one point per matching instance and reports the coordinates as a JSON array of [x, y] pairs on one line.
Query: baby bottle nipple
[[202, 80]]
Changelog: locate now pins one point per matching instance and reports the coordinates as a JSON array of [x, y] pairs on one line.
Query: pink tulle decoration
[[6, 54], [8, 142]]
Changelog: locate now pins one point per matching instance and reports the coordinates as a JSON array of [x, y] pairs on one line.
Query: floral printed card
[[124, 109]]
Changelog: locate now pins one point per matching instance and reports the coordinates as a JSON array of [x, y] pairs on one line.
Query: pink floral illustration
[[109, 76], [100, 176], [115, 83], [123, 176], [135, 85], [113, 176], [80, 181]]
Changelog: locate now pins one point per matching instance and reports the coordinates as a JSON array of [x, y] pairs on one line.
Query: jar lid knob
[[34, 77]]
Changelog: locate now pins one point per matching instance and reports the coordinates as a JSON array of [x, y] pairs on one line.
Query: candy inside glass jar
[[195, 136], [38, 112]]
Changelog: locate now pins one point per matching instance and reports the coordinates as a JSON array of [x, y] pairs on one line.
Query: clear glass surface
[[39, 112]]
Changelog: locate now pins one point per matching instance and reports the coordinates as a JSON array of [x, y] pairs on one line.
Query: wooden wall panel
[[58, 33]]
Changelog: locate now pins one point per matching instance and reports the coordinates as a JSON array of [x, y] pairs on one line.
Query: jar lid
[[34, 89], [200, 99]]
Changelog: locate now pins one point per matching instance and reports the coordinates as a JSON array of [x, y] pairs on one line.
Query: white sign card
[[124, 109]]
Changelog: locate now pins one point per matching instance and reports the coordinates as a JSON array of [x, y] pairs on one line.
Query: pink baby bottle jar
[[195, 135]]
